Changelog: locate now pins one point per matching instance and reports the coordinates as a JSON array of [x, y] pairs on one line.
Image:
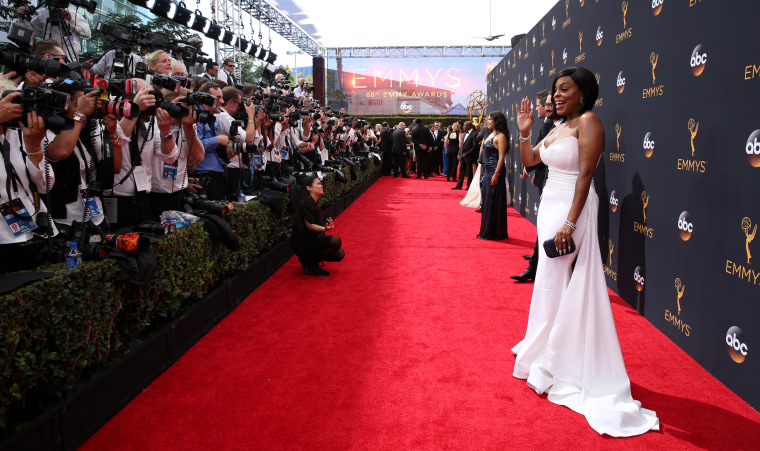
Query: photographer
[[48, 49], [171, 178], [198, 67], [308, 238], [105, 66], [145, 138], [214, 145], [57, 22], [22, 178], [232, 101], [74, 156]]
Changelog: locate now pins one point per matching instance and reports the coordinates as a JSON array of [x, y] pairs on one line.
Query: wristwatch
[[167, 137]]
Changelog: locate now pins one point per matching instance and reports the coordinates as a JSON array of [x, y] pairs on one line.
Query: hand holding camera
[[10, 110]]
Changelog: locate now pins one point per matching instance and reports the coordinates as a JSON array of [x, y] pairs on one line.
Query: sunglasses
[[58, 57]]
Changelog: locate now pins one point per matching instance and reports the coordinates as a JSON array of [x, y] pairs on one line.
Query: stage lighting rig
[[162, 8], [227, 37], [143, 3], [214, 31], [272, 57], [262, 54], [254, 48], [182, 15], [242, 44], [199, 22]]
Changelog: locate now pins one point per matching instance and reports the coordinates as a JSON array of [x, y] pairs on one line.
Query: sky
[[401, 23]]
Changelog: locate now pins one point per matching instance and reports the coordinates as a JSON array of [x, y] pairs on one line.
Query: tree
[[8, 13], [167, 28]]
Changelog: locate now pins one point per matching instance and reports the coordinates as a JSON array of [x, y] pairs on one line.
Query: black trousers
[[161, 202], [387, 163], [399, 165], [465, 170], [217, 186], [423, 162], [451, 165], [233, 180], [437, 161]]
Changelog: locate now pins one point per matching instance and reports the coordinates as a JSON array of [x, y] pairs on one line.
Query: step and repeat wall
[[679, 182]]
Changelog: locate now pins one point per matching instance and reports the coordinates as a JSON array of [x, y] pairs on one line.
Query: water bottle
[[241, 197], [73, 256]]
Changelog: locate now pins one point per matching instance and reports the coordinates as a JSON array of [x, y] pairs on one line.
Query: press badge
[[141, 178], [170, 172], [284, 154], [18, 226], [90, 205], [257, 160]]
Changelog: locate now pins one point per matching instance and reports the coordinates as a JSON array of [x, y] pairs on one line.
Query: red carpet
[[406, 346]]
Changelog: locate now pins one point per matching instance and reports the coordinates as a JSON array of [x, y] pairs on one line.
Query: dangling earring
[[581, 101]]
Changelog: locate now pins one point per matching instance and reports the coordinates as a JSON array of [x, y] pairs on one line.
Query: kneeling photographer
[[308, 239], [22, 181], [170, 178], [80, 158]]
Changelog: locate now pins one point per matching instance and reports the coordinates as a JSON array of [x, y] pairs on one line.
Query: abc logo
[[657, 6], [648, 145], [620, 82], [753, 149], [638, 279], [406, 106], [599, 36], [698, 61], [564, 56], [736, 349], [614, 201], [685, 228]]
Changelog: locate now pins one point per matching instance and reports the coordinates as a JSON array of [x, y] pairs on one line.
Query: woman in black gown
[[452, 150], [308, 239], [493, 224]]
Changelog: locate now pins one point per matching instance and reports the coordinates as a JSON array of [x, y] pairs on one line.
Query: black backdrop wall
[[679, 84]]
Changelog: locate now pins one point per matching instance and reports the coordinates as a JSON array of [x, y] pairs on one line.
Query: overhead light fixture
[[254, 48], [199, 22], [272, 57], [143, 3], [162, 8], [227, 37], [182, 15], [242, 44], [214, 31], [262, 53]]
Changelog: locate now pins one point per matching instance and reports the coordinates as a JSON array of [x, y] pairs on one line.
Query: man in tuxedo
[[437, 154], [545, 110], [423, 143], [228, 75], [386, 146], [212, 71], [398, 151], [468, 154]]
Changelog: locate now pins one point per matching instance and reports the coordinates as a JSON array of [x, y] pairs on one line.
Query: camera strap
[[135, 152], [12, 178]]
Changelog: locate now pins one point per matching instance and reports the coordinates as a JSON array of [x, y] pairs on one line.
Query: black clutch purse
[[551, 249]]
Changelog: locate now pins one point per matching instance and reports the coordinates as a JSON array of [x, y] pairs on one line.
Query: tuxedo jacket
[[386, 140], [399, 142], [469, 147], [438, 140], [228, 78], [421, 136], [541, 170]]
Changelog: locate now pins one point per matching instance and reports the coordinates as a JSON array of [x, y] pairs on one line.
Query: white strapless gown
[[571, 349]]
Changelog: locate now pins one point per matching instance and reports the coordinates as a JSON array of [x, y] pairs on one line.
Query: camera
[[201, 98], [242, 148], [162, 81], [47, 103], [18, 57], [274, 184], [196, 204]]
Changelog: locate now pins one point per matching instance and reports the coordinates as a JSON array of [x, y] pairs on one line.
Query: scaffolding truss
[[418, 51]]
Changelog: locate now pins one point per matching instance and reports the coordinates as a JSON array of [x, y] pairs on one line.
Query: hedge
[[56, 334]]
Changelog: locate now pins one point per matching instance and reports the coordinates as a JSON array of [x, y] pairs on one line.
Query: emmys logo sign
[[614, 202], [582, 55], [628, 31], [600, 101], [685, 228], [736, 348], [692, 165], [599, 36], [737, 269], [618, 156], [608, 267], [676, 320], [657, 7], [698, 61], [654, 91], [643, 228], [648, 145], [406, 107], [638, 279], [567, 22], [620, 82], [753, 149]]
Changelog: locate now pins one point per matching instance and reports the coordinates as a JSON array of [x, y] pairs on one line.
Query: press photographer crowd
[[102, 156]]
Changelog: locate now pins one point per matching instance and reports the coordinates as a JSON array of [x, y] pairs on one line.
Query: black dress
[[306, 244], [452, 150], [493, 224]]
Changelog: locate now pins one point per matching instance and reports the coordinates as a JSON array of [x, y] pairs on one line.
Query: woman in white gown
[[571, 350]]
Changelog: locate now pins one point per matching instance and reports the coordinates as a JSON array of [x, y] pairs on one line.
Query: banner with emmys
[[678, 84]]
